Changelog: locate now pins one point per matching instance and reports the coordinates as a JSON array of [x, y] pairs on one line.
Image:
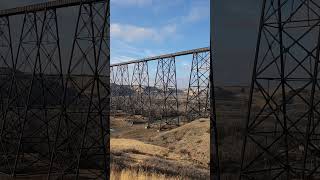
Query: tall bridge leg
[[198, 90], [82, 139], [282, 123], [140, 100], [33, 95], [114, 88], [123, 90], [167, 99], [6, 71]]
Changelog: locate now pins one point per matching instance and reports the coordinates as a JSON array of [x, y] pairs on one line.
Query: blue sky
[[143, 28]]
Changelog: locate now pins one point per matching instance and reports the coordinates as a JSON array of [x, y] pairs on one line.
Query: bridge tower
[[6, 60], [114, 88], [83, 129], [282, 127], [55, 124], [140, 99], [167, 99], [123, 88], [198, 91], [35, 83]]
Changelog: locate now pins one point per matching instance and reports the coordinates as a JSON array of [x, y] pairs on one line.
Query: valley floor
[[179, 153]]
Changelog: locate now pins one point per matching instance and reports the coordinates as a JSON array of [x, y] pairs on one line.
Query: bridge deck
[[43, 6], [181, 53]]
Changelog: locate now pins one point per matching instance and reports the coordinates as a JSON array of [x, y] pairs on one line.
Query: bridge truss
[[54, 119], [282, 130], [160, 102]]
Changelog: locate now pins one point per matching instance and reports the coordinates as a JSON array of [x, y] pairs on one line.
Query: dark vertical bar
[[254, 74], [283, 88], [312, 106], [149, 96], [141, 70], [176, 91], [14, 72], [106, 140], [41, 75], [84, 135], [5, 109], [163, 87], [61, 100], [198, 85], [206, 112], [27, 104], [189, 86], [214, 156], [64, 103]]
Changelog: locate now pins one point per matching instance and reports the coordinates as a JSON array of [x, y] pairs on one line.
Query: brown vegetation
[[184, 154], [184, 149]]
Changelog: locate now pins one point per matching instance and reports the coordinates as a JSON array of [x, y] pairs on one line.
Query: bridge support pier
[[282, 129], [167, 99], [198, 90]]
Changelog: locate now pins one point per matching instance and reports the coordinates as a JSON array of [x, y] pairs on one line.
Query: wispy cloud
[[123, 51], [120, 58], [197, 12], [132, 2], [131, 33]]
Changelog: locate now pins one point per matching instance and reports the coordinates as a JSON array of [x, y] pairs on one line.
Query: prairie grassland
[[180, 153], [128, 174]]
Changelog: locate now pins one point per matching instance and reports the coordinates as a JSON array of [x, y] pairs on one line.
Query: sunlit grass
[[128, 174]]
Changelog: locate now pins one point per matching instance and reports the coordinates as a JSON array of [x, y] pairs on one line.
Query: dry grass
[[131, 144], [191, 141], [156, 165], [128, 174], [180, 153], [133, 154]]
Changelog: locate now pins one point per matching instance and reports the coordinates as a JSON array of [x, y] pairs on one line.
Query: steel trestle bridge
[[133, 93]]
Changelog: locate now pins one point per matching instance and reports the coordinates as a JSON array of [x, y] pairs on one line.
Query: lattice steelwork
[[159, 102], [114, 88], [123, 88], [6, 60], [27, 126], [198, 91], [282, 132], [85, 116], [140, 99], [55, 124], [166, 101]]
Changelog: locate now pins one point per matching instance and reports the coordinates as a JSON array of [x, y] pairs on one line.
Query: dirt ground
[[182, 151]]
